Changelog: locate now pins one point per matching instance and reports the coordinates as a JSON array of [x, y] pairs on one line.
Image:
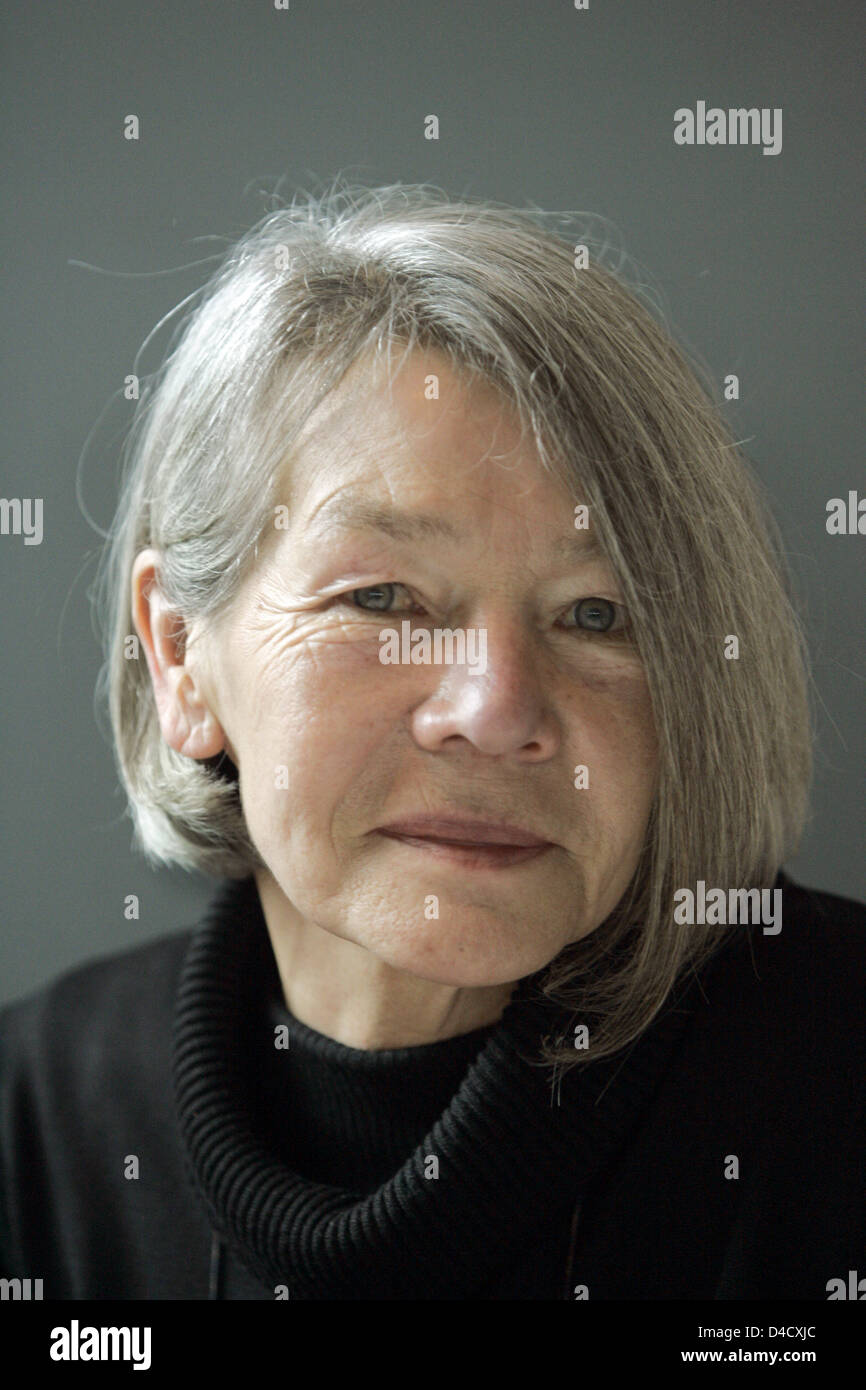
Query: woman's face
[[432, 512]]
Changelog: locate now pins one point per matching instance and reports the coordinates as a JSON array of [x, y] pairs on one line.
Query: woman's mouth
[[469, 843]]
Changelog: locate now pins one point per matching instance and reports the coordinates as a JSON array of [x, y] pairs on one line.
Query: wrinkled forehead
[[448, 437], [383, 399]]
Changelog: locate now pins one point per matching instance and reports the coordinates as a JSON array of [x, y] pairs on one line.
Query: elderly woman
[[448, 630]]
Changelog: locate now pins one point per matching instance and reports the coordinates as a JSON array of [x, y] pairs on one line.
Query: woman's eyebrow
[[582, 546], [357, 514]]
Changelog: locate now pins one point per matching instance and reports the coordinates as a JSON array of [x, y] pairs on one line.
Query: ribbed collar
[[509, 1147], [343, 1115]]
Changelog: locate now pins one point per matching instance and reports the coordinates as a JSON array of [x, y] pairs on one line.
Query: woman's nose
[[499, 705]]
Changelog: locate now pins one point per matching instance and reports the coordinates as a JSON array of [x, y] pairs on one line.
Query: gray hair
[[612, 405]]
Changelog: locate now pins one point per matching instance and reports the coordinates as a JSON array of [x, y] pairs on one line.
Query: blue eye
[[380, 594], [591, 615], [595, 614]]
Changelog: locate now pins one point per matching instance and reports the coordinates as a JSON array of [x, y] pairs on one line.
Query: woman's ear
[[187, 723]]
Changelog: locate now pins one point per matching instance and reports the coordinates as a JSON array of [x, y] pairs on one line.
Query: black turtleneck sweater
[[345, 1116], [157, 1142]]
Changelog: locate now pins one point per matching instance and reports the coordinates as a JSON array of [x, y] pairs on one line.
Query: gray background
[[755, 257]]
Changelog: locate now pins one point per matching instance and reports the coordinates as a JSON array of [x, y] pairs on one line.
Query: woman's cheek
[[324, 709]]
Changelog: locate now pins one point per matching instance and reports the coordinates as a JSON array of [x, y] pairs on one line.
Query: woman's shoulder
[[793, 984], [815, 905], [817, 932], [104, 1006], [85, 1072]]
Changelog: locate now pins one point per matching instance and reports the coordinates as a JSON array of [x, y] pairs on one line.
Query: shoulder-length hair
[[614, 409]]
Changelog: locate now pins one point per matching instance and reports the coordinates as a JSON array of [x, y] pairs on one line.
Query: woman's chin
[[480, 951]]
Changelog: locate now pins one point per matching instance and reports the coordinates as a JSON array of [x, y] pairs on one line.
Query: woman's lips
[[482, 844]]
